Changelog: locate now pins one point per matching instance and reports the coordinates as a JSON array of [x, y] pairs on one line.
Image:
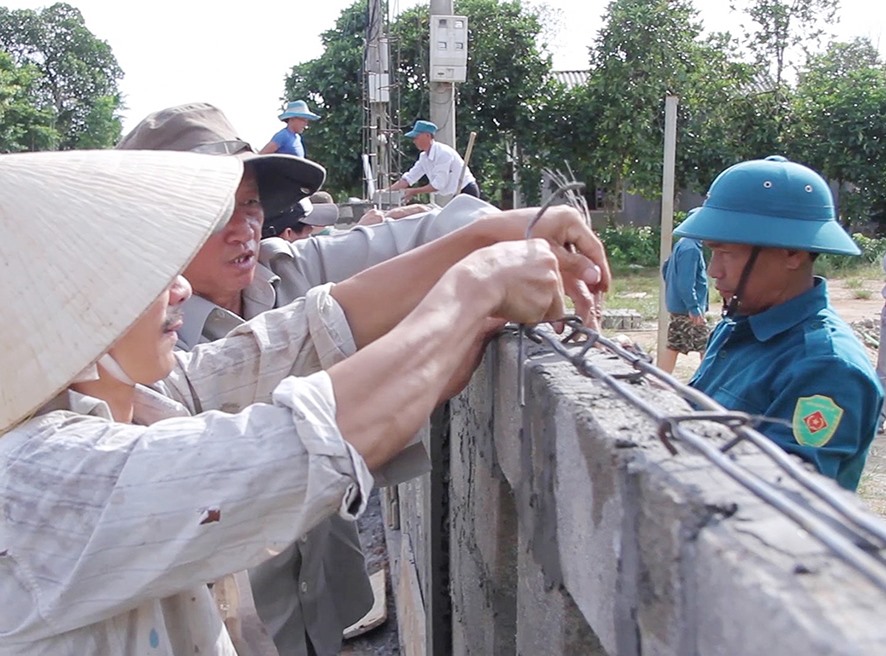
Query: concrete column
[[442, 96]]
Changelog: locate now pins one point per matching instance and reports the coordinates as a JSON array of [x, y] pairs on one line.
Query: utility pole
[[378, 80], [443, 93], [448, 57]]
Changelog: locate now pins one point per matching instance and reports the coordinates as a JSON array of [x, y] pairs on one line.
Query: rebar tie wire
[[567, 188], [867, 534]]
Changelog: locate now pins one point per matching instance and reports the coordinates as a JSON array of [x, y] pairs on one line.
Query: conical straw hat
[[90, 240]]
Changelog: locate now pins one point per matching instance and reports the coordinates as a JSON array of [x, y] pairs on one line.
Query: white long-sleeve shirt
[[442, 165], [110, 532]]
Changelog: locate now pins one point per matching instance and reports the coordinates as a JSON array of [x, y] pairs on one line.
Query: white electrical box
[[449, 48], [379, 88]]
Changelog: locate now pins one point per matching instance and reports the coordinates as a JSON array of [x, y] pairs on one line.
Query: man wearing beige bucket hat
[[227, 273], [318, 586], [309, 593], [120, 503]]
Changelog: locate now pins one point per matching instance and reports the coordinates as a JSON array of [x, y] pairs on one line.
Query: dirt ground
[[864, 315]]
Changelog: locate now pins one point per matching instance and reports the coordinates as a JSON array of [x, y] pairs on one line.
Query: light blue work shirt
[[799, 362], [289, 143], [686, 282]]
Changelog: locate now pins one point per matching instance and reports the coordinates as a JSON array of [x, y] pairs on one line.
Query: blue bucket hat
[[421, 127], [298, 109], [770, 202]]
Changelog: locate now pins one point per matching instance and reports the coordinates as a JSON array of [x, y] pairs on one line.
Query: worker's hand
[[587, 305], [697, 319], [579, 252], [409, 194], [371, 217], [520, 279], [462, 375]]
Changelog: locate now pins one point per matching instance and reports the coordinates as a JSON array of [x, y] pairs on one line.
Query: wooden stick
[[464, 164]]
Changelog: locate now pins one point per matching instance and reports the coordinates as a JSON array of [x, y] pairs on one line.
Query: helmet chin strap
[[110, 365], [734, 303]]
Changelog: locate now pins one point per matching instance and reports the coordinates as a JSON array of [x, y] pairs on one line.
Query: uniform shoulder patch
[[816, 419]]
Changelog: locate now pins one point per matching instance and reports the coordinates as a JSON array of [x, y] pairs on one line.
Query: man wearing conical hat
[[318, 586], [288, 141], [781, 351], [133, 474]]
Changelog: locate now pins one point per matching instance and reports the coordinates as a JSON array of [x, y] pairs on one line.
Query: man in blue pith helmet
[[781, 351]]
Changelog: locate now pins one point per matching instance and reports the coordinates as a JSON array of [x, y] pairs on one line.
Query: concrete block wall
[[574, 531]]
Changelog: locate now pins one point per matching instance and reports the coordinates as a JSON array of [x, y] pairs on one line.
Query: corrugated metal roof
[[762, 82], [571, 78]]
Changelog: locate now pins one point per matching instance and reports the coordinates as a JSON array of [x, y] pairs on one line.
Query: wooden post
[[667, 214]]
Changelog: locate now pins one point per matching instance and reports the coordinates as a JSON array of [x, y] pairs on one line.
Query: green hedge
[[626, 245]]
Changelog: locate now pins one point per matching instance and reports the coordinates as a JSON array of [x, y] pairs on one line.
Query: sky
[[237, 55]]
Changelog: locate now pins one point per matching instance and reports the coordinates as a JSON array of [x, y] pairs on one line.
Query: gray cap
[[283, 180]]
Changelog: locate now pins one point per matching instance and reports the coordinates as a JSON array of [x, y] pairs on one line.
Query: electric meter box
[[449, 48]]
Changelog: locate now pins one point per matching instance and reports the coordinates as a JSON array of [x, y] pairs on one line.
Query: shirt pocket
[[738, 400]]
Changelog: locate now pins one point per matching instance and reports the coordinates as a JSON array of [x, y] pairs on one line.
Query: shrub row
[[639, 246]]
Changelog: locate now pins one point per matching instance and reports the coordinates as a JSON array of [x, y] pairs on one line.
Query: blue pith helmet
[[770, 202], [298, 109], [421, 127]]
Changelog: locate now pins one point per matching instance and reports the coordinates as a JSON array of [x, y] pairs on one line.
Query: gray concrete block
[[483, 530], [549, 621], [747, 604]]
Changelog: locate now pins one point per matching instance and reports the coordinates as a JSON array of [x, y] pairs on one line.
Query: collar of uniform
[[195, 313], [432, 151], [784, 316], [151, 406], [148, 406], [82, 404], [261, 295], [271, 248]]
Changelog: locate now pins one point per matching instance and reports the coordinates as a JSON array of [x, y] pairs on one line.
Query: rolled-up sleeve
[[418, 169], [101, 516]]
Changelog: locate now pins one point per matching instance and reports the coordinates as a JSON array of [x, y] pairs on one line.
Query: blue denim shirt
[[686, 282]]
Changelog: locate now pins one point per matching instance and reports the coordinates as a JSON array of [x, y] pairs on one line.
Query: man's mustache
[[173, 317]]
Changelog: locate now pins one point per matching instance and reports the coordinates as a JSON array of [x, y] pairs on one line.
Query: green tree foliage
[[645, 50], [22, 125], [837, 124], [506, 74], [729, 109], [78, 73], [609, 131], [559, 132], [778, 27]]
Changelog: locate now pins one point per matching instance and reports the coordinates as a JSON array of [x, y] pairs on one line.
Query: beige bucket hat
[[283, 180], [90, 240]]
